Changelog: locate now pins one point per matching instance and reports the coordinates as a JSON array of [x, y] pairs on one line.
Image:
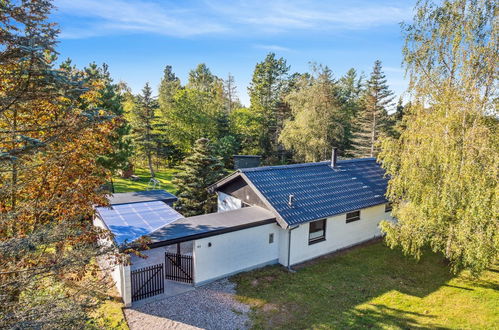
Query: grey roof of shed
[[319, 190], [141, 196], [211, 224]]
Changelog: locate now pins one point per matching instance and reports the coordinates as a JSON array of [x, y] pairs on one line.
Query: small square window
[[317, 231], [271, 238], [353, 216], [388, 207]]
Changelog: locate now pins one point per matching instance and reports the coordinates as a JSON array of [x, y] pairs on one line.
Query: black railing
[[178, 267], [147, 282]]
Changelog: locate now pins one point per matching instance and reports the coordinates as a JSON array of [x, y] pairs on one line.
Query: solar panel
[[131, 221]]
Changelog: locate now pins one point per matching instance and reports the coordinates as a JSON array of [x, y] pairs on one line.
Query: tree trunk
[[149, 162], [373, 133]]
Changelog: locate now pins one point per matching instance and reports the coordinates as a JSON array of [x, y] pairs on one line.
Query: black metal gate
[[178, 267], [147, 282]]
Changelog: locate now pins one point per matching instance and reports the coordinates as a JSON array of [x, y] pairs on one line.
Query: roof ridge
[[324, 162]]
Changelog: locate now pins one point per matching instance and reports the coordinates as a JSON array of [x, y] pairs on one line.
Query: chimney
[[291, 200], [334, 157]]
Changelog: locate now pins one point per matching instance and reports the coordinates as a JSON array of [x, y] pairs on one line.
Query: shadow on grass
[[327, 293], [382, 316]]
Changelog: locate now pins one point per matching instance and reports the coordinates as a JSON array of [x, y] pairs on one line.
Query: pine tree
[[373, 117], [111, 98], [170, 84], [144, 125], [266, 93], [230, 94], [202, 79], [350, 91], [197, 172]]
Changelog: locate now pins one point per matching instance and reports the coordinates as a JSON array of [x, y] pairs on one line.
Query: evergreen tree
[[444, 166], [170, 84], [197, 172], [144, 125], [111, 99], [266, 93], [202, 79], [373, 118], [230, 94], [350, 91]]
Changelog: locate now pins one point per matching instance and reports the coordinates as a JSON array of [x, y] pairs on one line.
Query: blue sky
[[138, 38]]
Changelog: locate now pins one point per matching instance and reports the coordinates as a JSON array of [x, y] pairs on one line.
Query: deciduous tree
[[317, 122], [444, 167], [51, 134]]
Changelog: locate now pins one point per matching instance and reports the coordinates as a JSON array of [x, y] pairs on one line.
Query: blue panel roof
[[319, 190], [131, 221]]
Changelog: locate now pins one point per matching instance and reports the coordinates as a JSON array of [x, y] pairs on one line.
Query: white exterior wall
[[119, 273], [339, 234], [227, 202], [234, 252]]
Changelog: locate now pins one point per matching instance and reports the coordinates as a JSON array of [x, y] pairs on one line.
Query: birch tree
[[444, 167]]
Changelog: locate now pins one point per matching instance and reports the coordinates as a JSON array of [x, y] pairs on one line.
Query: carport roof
[[210, 224], [141, 196], [128, 222]]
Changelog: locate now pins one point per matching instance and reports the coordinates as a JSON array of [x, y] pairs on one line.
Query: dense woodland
[[66, 131], [293, 117]]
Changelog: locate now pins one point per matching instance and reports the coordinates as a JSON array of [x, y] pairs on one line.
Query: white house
[[267, 215]]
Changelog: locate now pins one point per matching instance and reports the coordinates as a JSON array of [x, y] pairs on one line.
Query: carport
[[194, 250]]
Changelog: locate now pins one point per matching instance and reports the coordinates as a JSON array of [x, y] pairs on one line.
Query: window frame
[[352, 218], [320, 238], [271, 238]]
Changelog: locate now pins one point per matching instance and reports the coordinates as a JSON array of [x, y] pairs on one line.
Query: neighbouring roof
[[128, 222], [141, 196], [319, 190], [211, 224]]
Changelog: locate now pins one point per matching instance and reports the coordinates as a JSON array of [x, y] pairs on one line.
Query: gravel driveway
[[212, 306]]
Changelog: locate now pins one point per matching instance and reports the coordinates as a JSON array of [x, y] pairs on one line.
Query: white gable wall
[[339, 234]]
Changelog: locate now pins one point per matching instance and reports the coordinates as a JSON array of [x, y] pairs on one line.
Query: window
[[353, 216], [271, 238], [388, 207], [317, 231]]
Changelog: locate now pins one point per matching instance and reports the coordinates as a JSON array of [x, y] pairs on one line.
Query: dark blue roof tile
[[320, 191]]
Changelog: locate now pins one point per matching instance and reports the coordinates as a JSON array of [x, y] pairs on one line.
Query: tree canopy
[[444, 166], [53, 130]]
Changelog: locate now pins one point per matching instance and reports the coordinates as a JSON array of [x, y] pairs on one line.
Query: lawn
[[370, 287], [165, 176]]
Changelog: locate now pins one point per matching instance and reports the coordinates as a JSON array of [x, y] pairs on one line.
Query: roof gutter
[[205, 234]]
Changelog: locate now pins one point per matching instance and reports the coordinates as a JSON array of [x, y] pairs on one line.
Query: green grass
[[370, 287], [110, 315], [165, 176]]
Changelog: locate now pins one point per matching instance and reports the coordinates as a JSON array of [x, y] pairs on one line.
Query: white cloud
[[120, 16], [183, 19], [275, 48]]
